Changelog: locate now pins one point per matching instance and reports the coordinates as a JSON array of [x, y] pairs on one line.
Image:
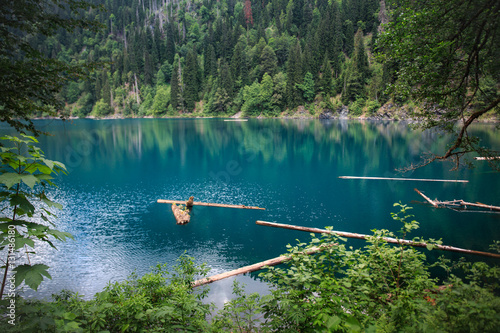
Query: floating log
[[457, 204], [235, 119], [181, 216], [252, 268], [407, 179], [387, 239], [208, 204], [427, 198], [487, 158]]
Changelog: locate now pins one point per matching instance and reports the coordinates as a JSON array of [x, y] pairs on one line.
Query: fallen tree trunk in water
[[181, 216], [426, 198], [387, 239], [195, 203], [407, 179], [254, 267], [457, 204]]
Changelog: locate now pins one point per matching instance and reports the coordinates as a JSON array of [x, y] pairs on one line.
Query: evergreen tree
[[294, 76], [360, 59], [326, 83], [239, 65], [191, 80], [106, 88], [148, 69], [349, 37], [209, 62], [307, 87], [170, 43], [175, 81], [337, 43], [226, 78], [268, 61], [98, 87], [352, 83], [160, 78]]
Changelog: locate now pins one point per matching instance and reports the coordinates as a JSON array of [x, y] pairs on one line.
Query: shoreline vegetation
[[389, 112], [377, 288]]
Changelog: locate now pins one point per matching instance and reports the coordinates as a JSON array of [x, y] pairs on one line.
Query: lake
[[119, 168]]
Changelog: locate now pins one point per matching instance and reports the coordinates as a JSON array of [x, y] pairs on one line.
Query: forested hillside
[[262, 57]]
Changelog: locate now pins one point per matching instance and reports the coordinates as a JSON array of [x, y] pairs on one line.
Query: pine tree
[[239, 65], [268, 61], [226, 78], [106, 88], [294, 76], [349, 37], [191, 80], [360, 59], [148, 69], [170, 43], [175, 89], [160, 78], [325, 83], [98, 87]]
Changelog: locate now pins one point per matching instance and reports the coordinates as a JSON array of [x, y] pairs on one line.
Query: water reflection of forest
[[275, 140]]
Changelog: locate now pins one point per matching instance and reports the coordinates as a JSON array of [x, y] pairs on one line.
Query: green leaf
[[60, 235], [44, 177], [49, 163], [10, 179], [21, 241], [32, 275], [22, 202], [353, 324], [69, 316], [332, 322], [43, 168], [49, 202], [29, 180]]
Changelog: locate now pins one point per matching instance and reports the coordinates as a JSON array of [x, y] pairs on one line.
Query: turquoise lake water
[[119, 168]]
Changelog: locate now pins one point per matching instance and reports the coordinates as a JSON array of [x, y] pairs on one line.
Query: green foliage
[[372, 107], [159, 301], [31, 81], [219, 54], [444, 53], [356, 108], [307, 87], [242, 314], [25, 174], [101, 109], [380, 287], [161, 100]]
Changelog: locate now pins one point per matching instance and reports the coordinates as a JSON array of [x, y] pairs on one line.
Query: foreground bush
[[378, 288]]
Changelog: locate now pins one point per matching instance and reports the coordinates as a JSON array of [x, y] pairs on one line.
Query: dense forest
[[170, 57]]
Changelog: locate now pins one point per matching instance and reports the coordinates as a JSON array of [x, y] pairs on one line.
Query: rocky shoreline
[[388, 112]]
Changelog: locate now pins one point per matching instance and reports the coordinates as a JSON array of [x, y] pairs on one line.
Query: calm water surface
[[119, 168]]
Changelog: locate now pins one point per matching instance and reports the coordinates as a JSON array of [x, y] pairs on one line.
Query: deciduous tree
[[29, 80], [446, 50]]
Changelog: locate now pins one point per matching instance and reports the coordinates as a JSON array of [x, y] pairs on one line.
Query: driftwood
[[207, 204], [387, 239], [487, 158], [181, 216], [407, 179], [457, 204], [252, 268], [427, 198]]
